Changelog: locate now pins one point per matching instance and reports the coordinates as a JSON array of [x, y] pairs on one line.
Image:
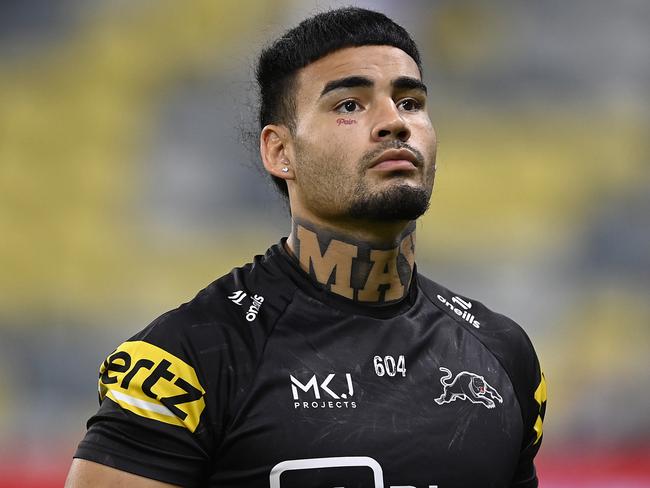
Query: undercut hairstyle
[[311, 40]]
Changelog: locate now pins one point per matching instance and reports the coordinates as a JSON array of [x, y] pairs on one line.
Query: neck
[[373, 272]]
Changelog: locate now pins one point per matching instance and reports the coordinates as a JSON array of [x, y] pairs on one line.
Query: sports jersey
[[268, 379]]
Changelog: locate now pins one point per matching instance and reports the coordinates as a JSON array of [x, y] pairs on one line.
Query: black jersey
[[267, 379]]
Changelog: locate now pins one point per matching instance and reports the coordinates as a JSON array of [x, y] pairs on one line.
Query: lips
[[395, 160]]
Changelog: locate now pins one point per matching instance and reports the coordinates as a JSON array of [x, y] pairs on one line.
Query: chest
[[353, 401]]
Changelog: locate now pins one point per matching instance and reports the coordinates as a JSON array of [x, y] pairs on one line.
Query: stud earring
[[285, 170]]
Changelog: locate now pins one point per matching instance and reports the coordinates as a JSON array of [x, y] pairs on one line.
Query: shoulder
[[198, 322], [228, 322], [502, 336], [250, 295], [509, 344], [499, 333], [206, 348]]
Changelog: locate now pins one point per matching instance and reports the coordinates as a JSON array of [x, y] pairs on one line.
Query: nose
[[390, 124]]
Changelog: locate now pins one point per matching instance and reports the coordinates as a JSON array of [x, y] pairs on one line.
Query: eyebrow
[[408, 83], [401, 83], [348, 82]]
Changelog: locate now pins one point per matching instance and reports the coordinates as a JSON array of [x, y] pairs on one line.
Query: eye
[[410, 105], [348, 106]]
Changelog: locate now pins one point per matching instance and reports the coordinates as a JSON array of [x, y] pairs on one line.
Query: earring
[[285, 170]]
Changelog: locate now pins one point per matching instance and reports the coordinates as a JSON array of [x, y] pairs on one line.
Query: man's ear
[[275, 151]]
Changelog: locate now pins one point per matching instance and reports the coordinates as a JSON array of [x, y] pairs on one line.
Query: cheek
[[334, 143], [319, 161], [322, 134], [425, 127], [425, 135]]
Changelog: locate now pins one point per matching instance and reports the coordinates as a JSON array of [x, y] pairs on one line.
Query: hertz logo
[[152, 383]]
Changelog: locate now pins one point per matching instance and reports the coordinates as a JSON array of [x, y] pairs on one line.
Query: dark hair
[[312, 39]]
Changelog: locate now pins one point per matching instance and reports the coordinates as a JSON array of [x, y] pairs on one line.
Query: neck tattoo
[[355, 269]]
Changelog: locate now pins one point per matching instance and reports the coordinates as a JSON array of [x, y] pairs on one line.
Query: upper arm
[[526, 475], [87, 474], [152, 419], [168, 393]]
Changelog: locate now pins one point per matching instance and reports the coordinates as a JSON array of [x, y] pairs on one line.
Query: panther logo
[[467, 386]]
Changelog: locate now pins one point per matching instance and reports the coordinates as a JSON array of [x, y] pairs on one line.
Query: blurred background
[[126, 186]]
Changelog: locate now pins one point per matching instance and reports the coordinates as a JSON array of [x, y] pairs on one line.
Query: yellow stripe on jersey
[[540, 398], [540, 392], [152, 383], [538, 427]]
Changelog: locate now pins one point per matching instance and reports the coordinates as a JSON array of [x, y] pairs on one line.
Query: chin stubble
[[399, 202]]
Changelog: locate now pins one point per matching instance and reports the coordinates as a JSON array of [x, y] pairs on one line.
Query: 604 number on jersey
[[390, 366]]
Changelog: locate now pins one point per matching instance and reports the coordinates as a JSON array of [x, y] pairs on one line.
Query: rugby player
[[329, 361]]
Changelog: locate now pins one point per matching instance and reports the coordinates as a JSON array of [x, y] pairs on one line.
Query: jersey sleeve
[[533, 411], [170, 393], [156, 417], [513, 349], [512, 346]]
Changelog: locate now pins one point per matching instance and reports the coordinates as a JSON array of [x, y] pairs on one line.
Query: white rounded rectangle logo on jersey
[[286, 467]]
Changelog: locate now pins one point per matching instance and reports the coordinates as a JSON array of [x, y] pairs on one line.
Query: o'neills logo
[[462, 312], [255, 306], [323, 394]]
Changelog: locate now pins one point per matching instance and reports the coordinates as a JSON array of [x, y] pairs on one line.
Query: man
[[329, 361]]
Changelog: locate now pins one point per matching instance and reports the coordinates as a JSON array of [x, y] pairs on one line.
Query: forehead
[[379, 63]]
